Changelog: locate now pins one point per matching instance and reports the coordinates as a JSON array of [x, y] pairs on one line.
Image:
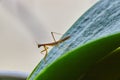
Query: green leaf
[[93, 36], [76, 63], [108, 68]]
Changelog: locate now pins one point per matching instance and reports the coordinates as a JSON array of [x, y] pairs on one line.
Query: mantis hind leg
[[52, 33]]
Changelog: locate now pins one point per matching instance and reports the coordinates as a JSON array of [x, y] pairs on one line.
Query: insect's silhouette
[[45, 45]]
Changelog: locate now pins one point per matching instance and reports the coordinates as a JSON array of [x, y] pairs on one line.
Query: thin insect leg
[[52, 33], [44, 50], [56, 33], [45, 47]]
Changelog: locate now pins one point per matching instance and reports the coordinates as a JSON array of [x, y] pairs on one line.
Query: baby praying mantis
[[45, 46]]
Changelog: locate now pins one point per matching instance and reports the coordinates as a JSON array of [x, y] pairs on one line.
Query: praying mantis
[[45, 45]]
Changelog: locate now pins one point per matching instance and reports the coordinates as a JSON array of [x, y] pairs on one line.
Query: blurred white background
[[22, 22]]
